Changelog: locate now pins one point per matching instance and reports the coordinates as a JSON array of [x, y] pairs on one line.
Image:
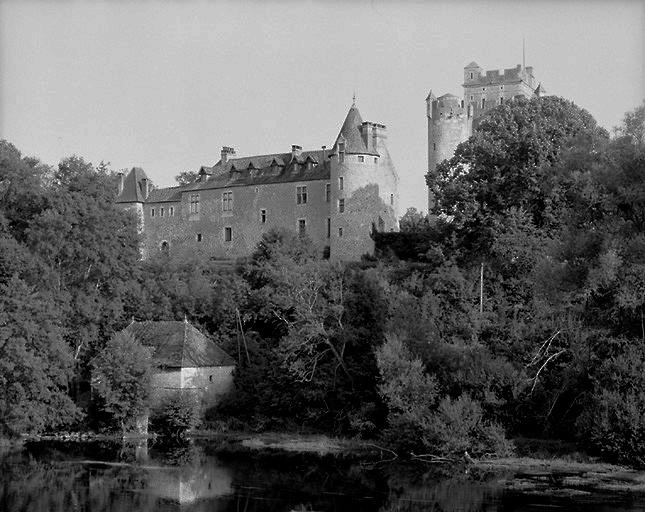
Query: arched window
[[165, 247]]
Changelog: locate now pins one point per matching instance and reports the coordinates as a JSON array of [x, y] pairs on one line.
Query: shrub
[[613, 422], [176, 414]]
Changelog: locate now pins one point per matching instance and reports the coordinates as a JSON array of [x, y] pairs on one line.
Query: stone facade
[[335, 196], [185, 361], [451, 119]]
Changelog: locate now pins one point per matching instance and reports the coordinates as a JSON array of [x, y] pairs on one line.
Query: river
[[103, 476]]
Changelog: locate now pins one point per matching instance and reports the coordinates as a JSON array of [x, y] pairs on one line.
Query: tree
[[413, 221], [186, 177], [35, 362], [508, 163], [633, 125], [121, 374]]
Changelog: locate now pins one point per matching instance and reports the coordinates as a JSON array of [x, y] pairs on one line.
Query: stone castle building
[[337, 197], [451, 119]]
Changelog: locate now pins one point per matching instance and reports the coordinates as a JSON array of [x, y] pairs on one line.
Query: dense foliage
[[121, 374], [514, 309]]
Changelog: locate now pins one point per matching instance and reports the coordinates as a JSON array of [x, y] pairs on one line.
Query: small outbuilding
[[185, 360]]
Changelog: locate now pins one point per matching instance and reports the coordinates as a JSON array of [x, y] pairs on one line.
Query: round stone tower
[[449, 123], [364, 188]]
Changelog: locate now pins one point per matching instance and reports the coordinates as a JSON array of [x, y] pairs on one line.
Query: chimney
[[322, 160], [365, 134], [227, 152], [120, 183], [296, 150], [145, 187]]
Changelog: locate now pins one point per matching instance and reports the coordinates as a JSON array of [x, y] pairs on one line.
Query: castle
[[451, 119], [336, 197]]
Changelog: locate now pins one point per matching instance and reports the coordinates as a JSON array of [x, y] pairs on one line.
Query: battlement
[[475, 77], [448, 107]]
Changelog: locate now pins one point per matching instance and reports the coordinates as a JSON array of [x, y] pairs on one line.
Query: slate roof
[[351, 134], [178, 345], [133, 187], [161, 195], [473, 64]]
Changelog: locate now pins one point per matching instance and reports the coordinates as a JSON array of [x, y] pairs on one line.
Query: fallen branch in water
[[434, 459]]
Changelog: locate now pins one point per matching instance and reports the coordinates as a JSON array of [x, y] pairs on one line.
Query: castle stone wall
[[279, 200]]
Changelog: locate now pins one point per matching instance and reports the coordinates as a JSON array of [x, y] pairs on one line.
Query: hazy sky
[[164, 84]]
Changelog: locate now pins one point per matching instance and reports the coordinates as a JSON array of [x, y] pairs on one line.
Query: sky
[[165, 84]]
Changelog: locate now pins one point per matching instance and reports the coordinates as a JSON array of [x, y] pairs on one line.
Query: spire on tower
[[523, 55], [354, 99]]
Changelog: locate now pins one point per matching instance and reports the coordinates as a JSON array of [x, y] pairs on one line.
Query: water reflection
[[197, 477]]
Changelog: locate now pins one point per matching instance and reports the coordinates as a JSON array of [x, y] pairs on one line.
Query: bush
[[176, 414], [613, 422], [458, 426]]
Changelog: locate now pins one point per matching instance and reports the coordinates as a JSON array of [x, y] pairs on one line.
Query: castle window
[[199, 237], [434, 146], [392, 199], [194, 203], [501, 87], [165, 247], [361, 158], [328, 227], [161, 212], [301, 195], [341, 205], [501, 100], [381, 224], [472, 97], [263, 216], [228, 234], [471, 76], [340, 232], [302, 227], [483, 102], [210, 379], [227, 201], [327, 192], [462, 103], [152, 212], [341, 158], [341, 183], [375, 160], [171, 211]]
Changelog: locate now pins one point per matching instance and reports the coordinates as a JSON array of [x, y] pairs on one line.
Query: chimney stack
[[227, 152], [296, 150], [145, 186], [120, 183]]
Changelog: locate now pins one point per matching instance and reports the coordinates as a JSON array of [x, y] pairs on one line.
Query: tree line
[[514, 309]]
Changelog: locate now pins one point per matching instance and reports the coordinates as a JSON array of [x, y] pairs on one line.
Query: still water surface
[[98, 477]]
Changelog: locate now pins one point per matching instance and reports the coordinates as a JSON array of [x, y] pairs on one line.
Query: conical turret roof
[[351, 133]]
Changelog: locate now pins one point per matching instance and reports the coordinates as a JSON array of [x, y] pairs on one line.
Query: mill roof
[[133, 187], [178, 344]]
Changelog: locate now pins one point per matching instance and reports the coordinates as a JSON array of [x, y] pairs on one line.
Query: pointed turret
[[350, 132]]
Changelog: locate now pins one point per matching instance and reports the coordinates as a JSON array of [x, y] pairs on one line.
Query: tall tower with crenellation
[[451, 119]]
